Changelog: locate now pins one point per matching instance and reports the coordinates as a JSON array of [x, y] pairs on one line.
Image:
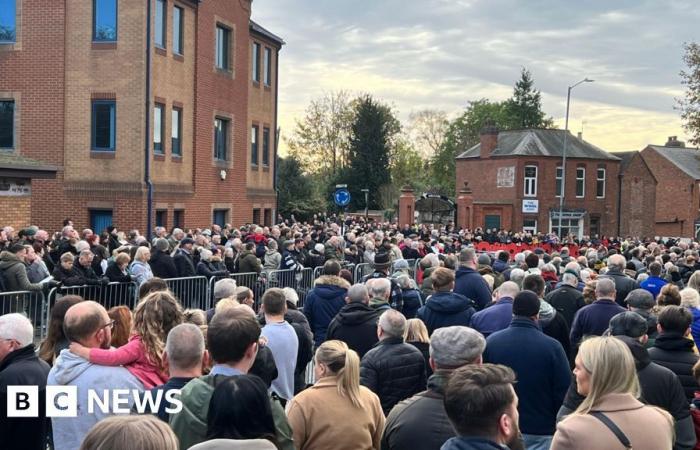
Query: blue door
[[100, 219], [491, 222]]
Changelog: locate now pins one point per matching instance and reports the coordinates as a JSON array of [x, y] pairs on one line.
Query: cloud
[[443, 53]]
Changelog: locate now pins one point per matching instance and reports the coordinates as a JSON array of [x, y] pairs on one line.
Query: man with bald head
[[594, 319], [88, 324], [623, 284], [499, 315]]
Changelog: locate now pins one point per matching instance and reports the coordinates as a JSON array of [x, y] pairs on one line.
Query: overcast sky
[[443, 53]]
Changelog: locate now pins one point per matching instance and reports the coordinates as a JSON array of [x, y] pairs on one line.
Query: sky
[[440, 54]]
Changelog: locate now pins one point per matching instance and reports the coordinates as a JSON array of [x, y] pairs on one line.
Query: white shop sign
[[531, 206], [14, 188]]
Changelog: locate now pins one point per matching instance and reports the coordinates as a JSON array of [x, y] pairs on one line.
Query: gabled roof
[[625, 158], [256, 28], [540, 142], [686, 159]]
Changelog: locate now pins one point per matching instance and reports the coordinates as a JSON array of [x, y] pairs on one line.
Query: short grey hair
[[358, 293], [379, 287], [570, 279], [617, 262], [690, 298], [185, 346], [517, 276], [291, 295], [508, 289], [605, 288], [393, 323], [205, 254], [224, 288], [405, 282], [17, 327]]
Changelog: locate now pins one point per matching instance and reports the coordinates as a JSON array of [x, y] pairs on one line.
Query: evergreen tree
[[690, 104], [296, 192], [524, 109]]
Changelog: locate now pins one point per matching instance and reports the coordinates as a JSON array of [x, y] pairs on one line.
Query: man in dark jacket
[[445, 308], [498, 315], [19, 366], [551, 322], [162, 264], [393, 369], [325, 300], [356, 322], [567, 299], [13, 270], [672, 348], [660, 387], [594, 319], [84, 268], [623, 284], [469, 282], [541, 365], [247, 261], [184, 262], [421, 422], [382, 266], [642, 302]]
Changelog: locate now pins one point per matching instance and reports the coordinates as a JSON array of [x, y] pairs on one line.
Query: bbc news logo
[[62, 401]]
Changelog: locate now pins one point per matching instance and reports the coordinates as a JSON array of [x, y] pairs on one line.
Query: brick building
[[514, 178], [75, 76], [660, 191]]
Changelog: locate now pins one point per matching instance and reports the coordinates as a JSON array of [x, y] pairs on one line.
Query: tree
[[689, 105], [320, 140], [524, 108], [372, 137], [296, 192], [426, 129]]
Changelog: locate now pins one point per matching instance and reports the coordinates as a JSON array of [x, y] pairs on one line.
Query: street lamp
[[366, 191], [562, 193]]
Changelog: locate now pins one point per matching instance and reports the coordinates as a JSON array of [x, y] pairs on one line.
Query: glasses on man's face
[[109, 324]]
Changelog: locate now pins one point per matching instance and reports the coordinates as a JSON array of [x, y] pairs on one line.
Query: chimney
[[674, 142], [489, 138]]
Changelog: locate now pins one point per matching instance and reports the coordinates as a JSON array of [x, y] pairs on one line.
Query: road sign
[[342, 197]]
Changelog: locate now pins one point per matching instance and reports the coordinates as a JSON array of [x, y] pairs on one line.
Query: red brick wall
[[638, 199]]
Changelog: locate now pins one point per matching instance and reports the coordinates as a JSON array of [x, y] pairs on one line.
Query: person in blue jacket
[[541, 365], [445, 308], [325, 300], [654, 283], [469, 282]]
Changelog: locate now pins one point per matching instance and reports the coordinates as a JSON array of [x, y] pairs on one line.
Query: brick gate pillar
[[407, 205], [465, 207]]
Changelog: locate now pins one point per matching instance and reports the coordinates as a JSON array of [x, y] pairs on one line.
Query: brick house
[[514, 177], [76, 75], [660, 191]]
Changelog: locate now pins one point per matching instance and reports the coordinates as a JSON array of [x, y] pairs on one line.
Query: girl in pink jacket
[[154, 317]]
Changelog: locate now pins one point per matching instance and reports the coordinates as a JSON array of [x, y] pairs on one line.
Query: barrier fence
[[31, 304], [193, 292], [109, 295]]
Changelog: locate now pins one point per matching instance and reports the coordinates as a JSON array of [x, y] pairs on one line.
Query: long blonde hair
[[611, 367], [416, 331], [345, 364], [154, 317], [121, 432]]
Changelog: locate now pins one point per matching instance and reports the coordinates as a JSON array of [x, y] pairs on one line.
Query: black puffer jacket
[[623, 285], [356, 325], [162, 265], [675, 352], [393, 370], [566, 300]]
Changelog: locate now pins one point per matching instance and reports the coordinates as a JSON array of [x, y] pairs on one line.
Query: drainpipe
[[147, 139], [277, 136], [619, 204]]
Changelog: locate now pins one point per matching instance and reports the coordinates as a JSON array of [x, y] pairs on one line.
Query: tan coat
[[321, 419], [647, 427]]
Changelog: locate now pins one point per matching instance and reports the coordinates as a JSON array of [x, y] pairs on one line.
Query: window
[[161, 217], [267, 217], [256, 62], [267, 66], [222, 47], [100, 219], [530, 225], [7, 124], [600, 183], [220, 138], [256, 216], [266, 147], [179, 218], [176, 125], [220, 216], [104, 20], [8, 20], [104, 125], [530, 181], [559, 176], [580, 182], [254, 145], [160, 23], [158, 129], [571, 223], [178, 22], [492, 222]]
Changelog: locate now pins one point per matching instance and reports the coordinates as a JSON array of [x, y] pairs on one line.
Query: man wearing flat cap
[[420, 422], [184, 262]]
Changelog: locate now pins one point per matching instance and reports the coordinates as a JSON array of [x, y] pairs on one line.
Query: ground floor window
[[219, 217], [161, 217], [100, 219], [268, 217], [569, 223], [179, 218], [530, 225]]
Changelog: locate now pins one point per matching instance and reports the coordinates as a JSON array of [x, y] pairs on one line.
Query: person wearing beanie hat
[[382, 266], [161, 262], [420, 421], [542, 367]]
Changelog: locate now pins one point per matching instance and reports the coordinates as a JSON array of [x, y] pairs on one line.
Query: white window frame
[[532, 229], [530, 183], [583, 182], [598, 180], [558, 177], [568, 218]]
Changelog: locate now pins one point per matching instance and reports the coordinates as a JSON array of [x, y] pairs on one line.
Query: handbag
[[614, 428]]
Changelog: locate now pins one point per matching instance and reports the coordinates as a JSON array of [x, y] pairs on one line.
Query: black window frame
[[224, 211], [113, 126], [95, 37], [12, 30], [176, 142], [159, 148], [163, 26], [226, 47], [254, 149], [179, 218], [598, 182], [266, 147], [13, 124], [226, 123], [161, 218], [179, 32]]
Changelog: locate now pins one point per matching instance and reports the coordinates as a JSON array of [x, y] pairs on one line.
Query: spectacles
[[109, 324]]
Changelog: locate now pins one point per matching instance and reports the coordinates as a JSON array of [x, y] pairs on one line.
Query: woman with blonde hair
[[611, 416], [336, 412], [417, 336], [140, 268], [694, 281], [143, 432]]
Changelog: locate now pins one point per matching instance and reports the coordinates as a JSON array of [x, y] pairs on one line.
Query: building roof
[[255, 27], [625, 158], [686, 159], [540, 142], [16, 165]]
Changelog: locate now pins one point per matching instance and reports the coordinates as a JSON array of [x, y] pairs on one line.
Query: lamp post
[[366, 191], [562, 193]]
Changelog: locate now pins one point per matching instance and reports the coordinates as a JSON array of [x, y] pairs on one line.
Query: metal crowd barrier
[[318, 271], [193, 292], [31, 304], [301, 281], [362, 270], [109, 295]]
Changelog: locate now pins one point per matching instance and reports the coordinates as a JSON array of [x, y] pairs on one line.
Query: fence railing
[[109, 295], [31, 304], [193, 292], [362, 270]]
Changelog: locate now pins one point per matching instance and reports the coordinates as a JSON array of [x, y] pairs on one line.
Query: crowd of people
[[463, 351]]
